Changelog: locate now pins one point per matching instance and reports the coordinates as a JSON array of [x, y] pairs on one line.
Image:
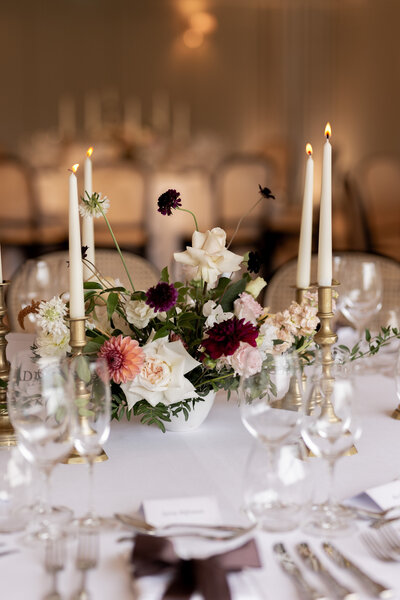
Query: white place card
[[379, 497], [201, 510]]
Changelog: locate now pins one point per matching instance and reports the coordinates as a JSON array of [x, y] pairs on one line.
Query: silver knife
[[373, 587], [289, 566], [336, 588]]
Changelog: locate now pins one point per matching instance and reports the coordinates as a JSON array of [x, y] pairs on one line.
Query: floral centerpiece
[[169, 346]]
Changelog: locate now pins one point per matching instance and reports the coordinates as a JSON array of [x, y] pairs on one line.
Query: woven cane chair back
[[280, 291], [51, 278]]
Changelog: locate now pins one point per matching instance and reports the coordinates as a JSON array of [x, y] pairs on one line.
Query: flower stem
[[193, 215], [117, 246], [241, 221]]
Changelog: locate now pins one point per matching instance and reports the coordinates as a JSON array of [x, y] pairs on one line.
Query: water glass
[[39, 404], [91, 417]]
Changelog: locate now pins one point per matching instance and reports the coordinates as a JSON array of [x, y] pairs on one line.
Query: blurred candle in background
[[305, 242], [1, 268], [161, 117], [87, 222], [76, 302], [66, 117], [181, 122], [325, 216]]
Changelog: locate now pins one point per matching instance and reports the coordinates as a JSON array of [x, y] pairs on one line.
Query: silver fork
[[54, 561], [87, 559], [379, 547]]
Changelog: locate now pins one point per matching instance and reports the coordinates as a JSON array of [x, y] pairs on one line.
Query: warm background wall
[[267, 79], [273, 70]]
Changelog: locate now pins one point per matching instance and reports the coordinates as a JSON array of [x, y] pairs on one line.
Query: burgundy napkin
[[156, 555]]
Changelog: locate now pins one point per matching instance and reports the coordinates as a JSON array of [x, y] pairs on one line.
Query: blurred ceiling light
[[203, 22], [193, 38]]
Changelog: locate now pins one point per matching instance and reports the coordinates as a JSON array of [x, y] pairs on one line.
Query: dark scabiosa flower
[[224, 338], [265, 192], [84, 250], [254, 262], [162, 296], [167, 201]]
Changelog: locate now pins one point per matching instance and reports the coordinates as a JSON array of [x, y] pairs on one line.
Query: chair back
[[125, 187], [46, 276], [236, 182], [375, 188], [280, 290], [17, 203]]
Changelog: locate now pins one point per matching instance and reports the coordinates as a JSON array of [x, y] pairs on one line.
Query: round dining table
[[144, 463]]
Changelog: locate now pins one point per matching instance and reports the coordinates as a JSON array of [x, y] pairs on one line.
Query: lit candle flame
[[74, 168], [89, 151], [309, 149], [328, 130]]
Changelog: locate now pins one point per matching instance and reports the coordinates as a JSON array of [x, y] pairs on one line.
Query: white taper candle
[[325, 216], [87, 221], [305, 242], [76, 301]]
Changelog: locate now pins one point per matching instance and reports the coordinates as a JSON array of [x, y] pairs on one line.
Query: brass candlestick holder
[[293, 399], [77, 341], [325, 338], [7, 434]]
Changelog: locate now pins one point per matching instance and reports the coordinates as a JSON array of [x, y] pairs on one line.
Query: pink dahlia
[[124, 358], [224, 338]]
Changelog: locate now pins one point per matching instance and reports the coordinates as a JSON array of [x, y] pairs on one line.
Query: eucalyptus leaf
[[82, 369], [112, 302]]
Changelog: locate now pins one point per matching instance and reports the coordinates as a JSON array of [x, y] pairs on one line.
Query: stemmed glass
[[360, 292], [91, 418], [329, 430], [263, 397], [39, 400]]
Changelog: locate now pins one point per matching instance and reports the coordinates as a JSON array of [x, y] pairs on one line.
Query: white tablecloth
[[144, 463]]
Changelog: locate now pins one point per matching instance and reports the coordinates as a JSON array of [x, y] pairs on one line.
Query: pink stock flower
[[124, 358], [245, 307]]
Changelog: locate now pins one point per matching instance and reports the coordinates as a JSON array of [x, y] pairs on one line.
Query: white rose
[[208, 257], [138, 313], [162, 377]]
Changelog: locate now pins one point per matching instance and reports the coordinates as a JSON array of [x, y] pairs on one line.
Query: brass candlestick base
[[77, 341], [325, 338], [7, 434], [396, 413], [294, 397]]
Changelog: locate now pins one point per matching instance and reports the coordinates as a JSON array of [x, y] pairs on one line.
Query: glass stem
[[331, 498], [44, 501], [91, 486]]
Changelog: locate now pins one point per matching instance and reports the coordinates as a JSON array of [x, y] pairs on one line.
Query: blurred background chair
[[47, 276], [374, 189], [235, 184], [52, 203], [280, 291], [125, 186], [17, 203]]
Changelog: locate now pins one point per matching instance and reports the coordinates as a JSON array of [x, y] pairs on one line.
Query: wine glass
[[271, 419], [91, 418], [329, 430], [42, 281], [39, 400], [360, 292]]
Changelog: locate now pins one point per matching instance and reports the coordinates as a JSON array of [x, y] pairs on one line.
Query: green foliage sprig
[[374, 342]]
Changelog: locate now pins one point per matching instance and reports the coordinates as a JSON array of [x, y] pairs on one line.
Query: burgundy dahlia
[[224, 338], [162, 296], [167, 201]]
